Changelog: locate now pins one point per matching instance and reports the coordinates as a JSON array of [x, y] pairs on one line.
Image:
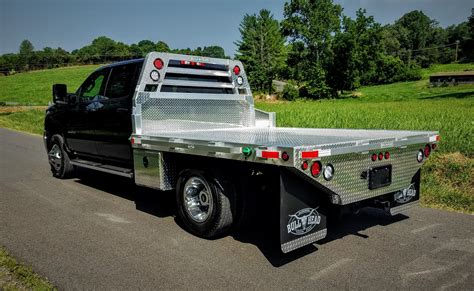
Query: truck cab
[[95, 121]]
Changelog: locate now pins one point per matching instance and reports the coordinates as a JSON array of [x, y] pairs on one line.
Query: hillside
[[34, 87]]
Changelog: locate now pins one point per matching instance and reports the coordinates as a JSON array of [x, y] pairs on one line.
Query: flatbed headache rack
[[204, 107]]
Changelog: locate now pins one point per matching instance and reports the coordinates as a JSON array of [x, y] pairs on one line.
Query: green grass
[[30, 120], [15, 276], [412, 90], [446, 68], [447, 182], [34, 88]]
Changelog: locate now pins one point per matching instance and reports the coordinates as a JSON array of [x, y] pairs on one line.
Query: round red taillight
[[387, 155], [427, 150], [316, 169], [237, 70], [380, 156], [285, 156], [158, 63], [304, 165], [374, 157]]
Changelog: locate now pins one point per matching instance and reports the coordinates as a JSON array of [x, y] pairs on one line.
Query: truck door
[[114, 125], [81, 127]]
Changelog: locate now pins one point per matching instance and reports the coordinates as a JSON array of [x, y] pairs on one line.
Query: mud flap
[[406, 198], [302, 219]]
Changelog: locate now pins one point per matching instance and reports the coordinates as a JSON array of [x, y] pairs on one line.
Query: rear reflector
[[135, 140], [310, 155], [266, 154]]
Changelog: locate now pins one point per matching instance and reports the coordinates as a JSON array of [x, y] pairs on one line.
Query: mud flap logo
[[405, 195], [303, 221]]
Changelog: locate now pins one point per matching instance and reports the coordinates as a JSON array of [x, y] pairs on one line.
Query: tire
[[198, 193], [58, 158]]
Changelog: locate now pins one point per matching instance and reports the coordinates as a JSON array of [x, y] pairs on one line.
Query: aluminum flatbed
[[180, 120]]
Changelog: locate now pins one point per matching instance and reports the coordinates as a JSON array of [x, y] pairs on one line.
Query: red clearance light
[[310, 155], [270, 154], [316, 169], [237, 70], [380, 156], [427, 150], [387, 155], [374, 157], [438, 138], [304, 165], [158, 63]]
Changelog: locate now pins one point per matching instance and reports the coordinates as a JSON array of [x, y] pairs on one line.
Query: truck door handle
[[122, 110]]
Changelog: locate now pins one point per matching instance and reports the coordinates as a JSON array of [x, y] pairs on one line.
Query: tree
[[415, 31], [213, 51], [26, 55], [468, 45], [261, 49], [162, 46], [313, 23], [146, 46]]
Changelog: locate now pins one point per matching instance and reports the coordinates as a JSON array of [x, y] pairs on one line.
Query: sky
[[71, 24]]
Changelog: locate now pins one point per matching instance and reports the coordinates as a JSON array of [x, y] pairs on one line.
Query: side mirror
[[59, 92]]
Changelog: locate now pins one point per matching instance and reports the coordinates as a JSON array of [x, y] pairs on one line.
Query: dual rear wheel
[[206, 203]]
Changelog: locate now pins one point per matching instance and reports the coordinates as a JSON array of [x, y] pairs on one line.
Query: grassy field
[[15, 276], [34, 88], [448, 178], [453, 118]]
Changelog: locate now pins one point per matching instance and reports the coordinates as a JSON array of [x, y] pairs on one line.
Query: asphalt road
[[101, 232]]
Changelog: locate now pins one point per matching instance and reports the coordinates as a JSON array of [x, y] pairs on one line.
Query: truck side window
[[94, 85], [122, 81]]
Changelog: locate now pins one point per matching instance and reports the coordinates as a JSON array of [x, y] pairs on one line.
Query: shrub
[[290, 91]]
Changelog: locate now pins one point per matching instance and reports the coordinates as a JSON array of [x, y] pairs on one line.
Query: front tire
[[58, 158], [206, 204]]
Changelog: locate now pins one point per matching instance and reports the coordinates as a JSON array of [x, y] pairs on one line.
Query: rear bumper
[[404, 207]]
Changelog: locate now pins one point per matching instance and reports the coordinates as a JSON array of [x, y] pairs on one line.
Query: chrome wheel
[[198, 199], [55, 157]]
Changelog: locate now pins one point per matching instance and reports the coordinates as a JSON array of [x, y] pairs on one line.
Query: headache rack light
[[197, 65]]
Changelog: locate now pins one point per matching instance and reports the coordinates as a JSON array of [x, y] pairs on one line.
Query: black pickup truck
[[189, 124]]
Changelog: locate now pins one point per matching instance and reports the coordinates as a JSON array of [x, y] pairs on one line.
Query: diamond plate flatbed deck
[[290, 137], [231, 140]]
